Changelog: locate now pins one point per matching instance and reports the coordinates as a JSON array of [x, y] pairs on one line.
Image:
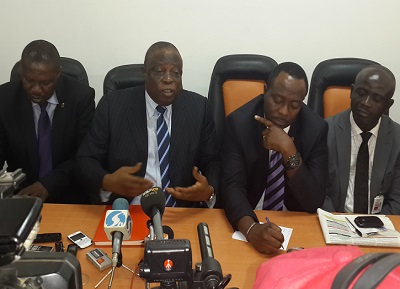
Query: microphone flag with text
[[153, 205], [118, 226]]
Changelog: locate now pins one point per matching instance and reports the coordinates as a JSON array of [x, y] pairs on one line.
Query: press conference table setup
[[236, 257]]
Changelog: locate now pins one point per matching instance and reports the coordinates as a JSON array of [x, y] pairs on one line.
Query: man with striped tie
[[158, 134], [274, 157]]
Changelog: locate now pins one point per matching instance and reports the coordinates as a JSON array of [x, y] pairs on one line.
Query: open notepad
[[338, 230]]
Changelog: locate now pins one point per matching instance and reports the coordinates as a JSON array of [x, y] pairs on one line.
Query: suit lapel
[[383, 149], [179, 124], [137, 120], [60, 119], [27, 126], [343, 144]]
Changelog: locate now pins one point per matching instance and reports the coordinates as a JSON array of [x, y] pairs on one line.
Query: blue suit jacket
[[118, 137]]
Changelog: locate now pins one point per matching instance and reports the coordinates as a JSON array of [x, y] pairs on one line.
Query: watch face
[[293, 162]]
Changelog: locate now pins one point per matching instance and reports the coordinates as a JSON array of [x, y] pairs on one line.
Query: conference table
[[236, 257]]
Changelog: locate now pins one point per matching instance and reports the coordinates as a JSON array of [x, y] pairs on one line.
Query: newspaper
[[338, 230]]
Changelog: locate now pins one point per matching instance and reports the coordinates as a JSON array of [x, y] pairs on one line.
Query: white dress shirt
[[356, 141]]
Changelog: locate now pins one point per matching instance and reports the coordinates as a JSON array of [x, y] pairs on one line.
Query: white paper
[[286, 232]]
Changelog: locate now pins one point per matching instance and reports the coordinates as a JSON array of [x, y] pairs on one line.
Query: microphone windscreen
[[152, 199], [120, 204], [118, 219]]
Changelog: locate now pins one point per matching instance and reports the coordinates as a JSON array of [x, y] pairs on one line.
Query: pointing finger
[[264, 121]]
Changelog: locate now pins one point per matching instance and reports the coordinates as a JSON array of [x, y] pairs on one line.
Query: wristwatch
[[293, 162]]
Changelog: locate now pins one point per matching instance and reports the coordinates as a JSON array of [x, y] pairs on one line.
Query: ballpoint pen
[[269, 224], [355, 228]]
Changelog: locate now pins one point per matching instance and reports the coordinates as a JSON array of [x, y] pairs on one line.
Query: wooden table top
[[236, 257]]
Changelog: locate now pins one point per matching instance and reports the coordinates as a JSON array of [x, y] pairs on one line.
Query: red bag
[[318, 268]]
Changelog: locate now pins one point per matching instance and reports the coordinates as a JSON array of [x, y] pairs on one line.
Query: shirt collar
[[52, 100], [355, 130], [151, 107]]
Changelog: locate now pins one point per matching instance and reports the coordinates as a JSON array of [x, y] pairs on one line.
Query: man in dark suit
[[68, 107], [121, 157], [274, 157], [371, 96]]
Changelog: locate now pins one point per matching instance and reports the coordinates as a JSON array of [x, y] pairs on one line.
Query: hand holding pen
[[269, 224]]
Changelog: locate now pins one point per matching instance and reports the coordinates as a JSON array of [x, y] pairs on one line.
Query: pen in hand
[[269, 224]]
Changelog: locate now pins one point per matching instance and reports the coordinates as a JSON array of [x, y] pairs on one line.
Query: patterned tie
[[361, 177], [163, 154], [275, 188], [44, 142]]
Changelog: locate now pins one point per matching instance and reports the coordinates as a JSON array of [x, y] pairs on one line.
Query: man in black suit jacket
[[70, 106], [255, 130], [119, 156]]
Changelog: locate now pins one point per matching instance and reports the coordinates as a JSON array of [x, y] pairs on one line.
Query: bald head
[[379, 74], [40, 52], [160, 46]]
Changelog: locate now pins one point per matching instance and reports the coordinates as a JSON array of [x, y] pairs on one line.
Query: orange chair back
[[240, 91], [336, 99]]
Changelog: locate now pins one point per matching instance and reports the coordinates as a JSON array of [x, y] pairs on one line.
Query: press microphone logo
[[116, 219]]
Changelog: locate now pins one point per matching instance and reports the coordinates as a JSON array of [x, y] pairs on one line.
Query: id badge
[[378, 203]]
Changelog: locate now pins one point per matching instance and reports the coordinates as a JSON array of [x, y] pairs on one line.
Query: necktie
[[44, 142], [163, 154], [275, 188], [362, 176]]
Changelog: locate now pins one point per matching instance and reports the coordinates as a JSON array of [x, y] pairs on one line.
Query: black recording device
[[48, 238], [19, 224], [169, 262]]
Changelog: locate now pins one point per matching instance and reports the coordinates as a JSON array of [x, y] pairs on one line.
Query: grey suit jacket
[[385, 176], [118, 137]]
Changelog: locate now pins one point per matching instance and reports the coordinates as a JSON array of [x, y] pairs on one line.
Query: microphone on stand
[[153, 205], [210, 267], [118, 227]]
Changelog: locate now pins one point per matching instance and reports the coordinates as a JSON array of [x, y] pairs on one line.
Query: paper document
[[341, 229], [286, 232]]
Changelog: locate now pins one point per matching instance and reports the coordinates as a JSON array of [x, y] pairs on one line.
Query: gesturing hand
[[200, 191], [124, 182]]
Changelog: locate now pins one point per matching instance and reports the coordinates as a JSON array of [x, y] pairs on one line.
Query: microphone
[[118, 227], [210, 267], [153, 205]]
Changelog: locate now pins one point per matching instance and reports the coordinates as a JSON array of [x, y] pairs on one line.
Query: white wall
[[103, 34]]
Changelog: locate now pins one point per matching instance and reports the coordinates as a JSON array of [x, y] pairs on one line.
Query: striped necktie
[[44, 142], [163, 142], [275, 188]]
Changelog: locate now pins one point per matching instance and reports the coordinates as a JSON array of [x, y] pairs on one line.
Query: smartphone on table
[[80, 239], [368, 222]]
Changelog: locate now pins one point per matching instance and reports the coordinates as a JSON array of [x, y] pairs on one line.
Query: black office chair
[[235, 80], [123, 76], [331, 82], [70, 67]]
